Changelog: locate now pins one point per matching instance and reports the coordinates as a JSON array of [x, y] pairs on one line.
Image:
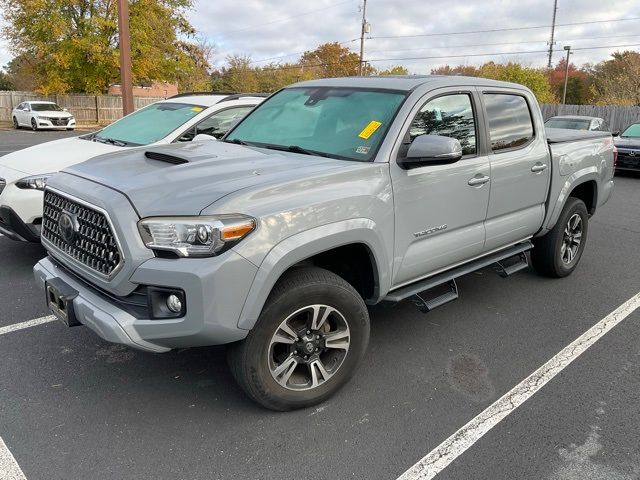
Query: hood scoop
[[166, 157]]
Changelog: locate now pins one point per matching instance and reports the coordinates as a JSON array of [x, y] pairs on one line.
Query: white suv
[[181, 118]]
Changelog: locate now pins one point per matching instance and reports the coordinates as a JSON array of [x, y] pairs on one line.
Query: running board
[[449, 276], [426, 306], [506, 268]]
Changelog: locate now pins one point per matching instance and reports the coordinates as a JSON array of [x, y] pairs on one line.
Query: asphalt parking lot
[[75, 407]]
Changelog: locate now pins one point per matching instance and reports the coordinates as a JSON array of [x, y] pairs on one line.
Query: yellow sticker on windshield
[[369, 129], [196, 109]]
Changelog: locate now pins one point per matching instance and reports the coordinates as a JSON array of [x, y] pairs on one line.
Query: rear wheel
[[16, 125], [558, 253], [308, 341], [34, 125]]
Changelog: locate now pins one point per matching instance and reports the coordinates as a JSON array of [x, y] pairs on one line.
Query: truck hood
[[53, 156], [211, 171]]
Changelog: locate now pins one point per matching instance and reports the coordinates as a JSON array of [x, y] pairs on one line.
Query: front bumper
[[215, 290], [12, 226], [49, 124]]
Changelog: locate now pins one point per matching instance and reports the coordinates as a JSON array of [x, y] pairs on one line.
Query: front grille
[[91, 241], [3, 183], [58, 121]]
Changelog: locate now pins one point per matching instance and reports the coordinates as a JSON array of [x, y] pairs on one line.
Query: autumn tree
[[578, 83], [617, 81], [397, 70], [5, 81], [74, 43], [331, 60], [533, 78]]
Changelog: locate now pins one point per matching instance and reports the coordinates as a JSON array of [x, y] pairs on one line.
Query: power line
[[437, 57], [308, 12], [502, 29], [471, 45], [296, 53]]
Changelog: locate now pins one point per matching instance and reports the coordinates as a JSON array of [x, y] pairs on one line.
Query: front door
[[440, 209]]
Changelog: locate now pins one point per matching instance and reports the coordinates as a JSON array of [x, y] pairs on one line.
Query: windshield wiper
[[112, 141], [296, 149], [237, 141]]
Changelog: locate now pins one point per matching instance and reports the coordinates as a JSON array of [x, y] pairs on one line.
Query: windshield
[[632, 131], [149, 124], [570, 123], [345, 123], [45, 107]]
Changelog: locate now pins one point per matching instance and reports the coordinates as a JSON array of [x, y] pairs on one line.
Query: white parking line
[[454, 446], [30, 323], [9, 468]]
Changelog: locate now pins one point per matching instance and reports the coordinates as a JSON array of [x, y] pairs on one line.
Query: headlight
[[203, 236], [40, 117], [35, 182]]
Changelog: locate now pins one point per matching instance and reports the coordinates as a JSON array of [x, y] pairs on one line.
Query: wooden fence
[[88, 109], [104, 109]]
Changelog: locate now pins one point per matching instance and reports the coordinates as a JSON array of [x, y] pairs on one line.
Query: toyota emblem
[[68, 226]]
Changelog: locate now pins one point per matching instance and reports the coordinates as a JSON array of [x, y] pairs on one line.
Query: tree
[[5, 82], [617, 81], [533, 78], [578, 83], [397, 70], [73, 43], [331, 60]]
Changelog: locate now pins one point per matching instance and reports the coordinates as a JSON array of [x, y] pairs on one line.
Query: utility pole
[[365, 29], [553, 31], [566, 74], [125, 57]]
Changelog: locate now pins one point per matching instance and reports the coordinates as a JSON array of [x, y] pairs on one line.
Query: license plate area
[[60, 297]]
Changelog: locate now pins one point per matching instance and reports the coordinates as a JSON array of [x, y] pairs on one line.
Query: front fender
[[311, 242]]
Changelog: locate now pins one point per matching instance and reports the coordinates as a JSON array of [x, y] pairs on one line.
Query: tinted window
[[632, 131], [218, 124], [449, 116], [509, 120]]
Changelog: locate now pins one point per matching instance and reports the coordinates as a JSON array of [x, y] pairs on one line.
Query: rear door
[[520, 167], [439, 215]]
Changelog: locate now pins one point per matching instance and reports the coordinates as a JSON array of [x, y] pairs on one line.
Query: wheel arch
[[335, 247]]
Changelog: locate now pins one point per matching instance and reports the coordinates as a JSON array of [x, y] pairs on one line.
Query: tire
[[557, 254], [299, 296], [34, 125], [69, 129], [16, 125]]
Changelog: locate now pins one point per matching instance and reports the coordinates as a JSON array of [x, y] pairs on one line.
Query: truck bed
[[562, 135]]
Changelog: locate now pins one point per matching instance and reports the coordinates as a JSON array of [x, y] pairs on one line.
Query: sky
[[285, 28]]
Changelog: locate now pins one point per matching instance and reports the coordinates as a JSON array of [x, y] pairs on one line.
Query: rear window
[[510, 124], [569, 123]]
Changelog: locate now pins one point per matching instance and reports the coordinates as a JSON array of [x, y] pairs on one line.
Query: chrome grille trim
[[96, 250]]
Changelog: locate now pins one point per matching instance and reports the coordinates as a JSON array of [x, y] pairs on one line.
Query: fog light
[[174, 304]]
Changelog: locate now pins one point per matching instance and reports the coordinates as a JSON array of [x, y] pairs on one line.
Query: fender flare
[[303, 245], [572, 181]]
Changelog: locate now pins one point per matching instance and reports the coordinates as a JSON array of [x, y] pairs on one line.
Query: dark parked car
[[628, 144], [578, 122]]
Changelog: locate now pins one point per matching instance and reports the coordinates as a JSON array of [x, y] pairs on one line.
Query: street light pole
[[566, 74], [125, 57]]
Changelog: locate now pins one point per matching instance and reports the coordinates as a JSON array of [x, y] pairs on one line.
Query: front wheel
[[34, 125], [557, 253], [308, 341], [16, 125]]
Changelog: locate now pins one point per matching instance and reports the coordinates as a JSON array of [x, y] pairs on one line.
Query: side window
[[218, 124], [20, 107], [510, 124], [605, 127], [449, 116]]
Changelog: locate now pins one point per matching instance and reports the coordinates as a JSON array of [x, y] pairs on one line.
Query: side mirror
[[65, 109], [203, 137], [431, 150], [616, 133]]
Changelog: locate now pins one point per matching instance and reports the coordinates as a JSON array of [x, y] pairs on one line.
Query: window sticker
[[362, 149], [369, 129], [196, 109]]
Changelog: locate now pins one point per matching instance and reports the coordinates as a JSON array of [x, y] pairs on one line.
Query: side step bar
[[416, 291]]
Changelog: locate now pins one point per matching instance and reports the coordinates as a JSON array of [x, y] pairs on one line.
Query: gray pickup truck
[[330, 196]]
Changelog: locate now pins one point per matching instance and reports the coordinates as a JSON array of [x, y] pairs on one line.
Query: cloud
[[259, 29]]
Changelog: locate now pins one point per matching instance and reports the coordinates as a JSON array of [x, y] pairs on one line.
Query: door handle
[[538, 167], [478, 180]]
